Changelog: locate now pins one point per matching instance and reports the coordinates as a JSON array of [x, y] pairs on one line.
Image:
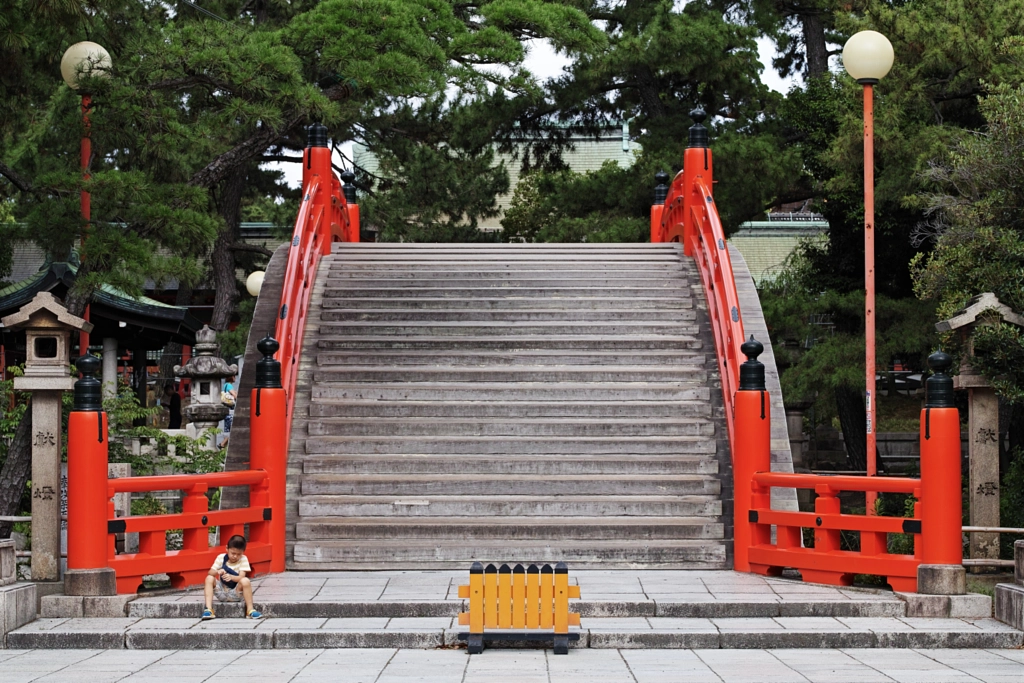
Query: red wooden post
[[696, 164], [319, 164], [941, 509], [753, 451], [268, 449], [658, 207], [88, 570]]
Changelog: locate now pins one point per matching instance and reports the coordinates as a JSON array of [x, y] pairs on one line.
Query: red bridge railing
[[685, 212], [326, 216]]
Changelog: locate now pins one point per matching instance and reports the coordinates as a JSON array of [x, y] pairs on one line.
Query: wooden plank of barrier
[[532, 597], [504, 596], [561, 598], [491, 597], [547, 596], [518, 597]]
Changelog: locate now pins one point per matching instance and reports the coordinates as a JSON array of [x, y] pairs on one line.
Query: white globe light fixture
[[85, 58], [254, 283], [868, 56]]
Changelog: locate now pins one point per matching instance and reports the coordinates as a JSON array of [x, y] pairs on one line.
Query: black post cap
[[698, 133], [518, 569], [752, 370], [504, 569], [661, 189], [316, 135], [561, 568], [533, 569], [476, 568], [939, 387], [88, 390], [490, 569], [268, 370], [348, 178]]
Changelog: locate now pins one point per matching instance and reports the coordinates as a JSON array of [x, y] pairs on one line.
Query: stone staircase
[[507, 403]]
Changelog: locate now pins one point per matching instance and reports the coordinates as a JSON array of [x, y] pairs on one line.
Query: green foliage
[[1011, 503], [232, 342], [147, 505]]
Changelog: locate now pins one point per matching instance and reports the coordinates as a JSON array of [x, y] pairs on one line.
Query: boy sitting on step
[[228, 581]]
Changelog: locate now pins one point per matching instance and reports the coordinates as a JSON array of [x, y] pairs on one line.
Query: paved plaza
[[518, 666]]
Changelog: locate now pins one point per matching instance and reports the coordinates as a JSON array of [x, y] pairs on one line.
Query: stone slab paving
[[519, 666]]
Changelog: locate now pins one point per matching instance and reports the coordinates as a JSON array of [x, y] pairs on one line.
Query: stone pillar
[[109, 367], [983, 486], [46, 443]]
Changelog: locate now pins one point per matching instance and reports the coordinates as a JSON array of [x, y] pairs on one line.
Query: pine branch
[[219, 168], [16, 180], [253, 248]]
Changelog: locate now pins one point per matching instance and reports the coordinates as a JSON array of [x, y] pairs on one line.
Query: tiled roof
[[766, 245]]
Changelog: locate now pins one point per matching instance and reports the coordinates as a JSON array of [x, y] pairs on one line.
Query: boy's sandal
[[255, 614], [208, 614]]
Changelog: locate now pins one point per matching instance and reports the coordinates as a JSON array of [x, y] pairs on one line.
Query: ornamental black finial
[[939, 387], [661, 189], [698, 133], [316, 135], [88, 390], [268, 370], [752, 370], [349, 187]]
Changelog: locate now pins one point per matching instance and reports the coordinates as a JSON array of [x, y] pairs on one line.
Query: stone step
[[605, 392], [668, 289], [532, 506], [451, 357], [511, 528], [509, 464], [512, 342], [667, 304], [336, 554], [557, 256], [287, 632], [474, 328], [428, 485], [341, 273], [641, 410], [552, 445], [529, 427], [470, 315], [550, 373]]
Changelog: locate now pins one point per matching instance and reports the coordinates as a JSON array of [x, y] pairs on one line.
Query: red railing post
[[196, 540], [752, 451], [696, 164], [319, 162], [88, 572], [658, 207], [941, 508], [349, 190], [268, 448]]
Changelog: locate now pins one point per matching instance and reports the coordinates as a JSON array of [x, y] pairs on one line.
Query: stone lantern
[[207, 370], [983, 424], [48, 327]]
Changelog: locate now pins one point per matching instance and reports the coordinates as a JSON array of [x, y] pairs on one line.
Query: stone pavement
[[519, 666]]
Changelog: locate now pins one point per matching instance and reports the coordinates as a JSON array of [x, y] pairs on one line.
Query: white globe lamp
[[868, 56], [85, 58], [254, 282]]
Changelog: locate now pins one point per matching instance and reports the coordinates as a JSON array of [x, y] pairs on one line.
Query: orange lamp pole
[[871, 398], [86, 202], [868, 56]]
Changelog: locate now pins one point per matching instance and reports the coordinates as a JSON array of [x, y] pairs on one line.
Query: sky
[[545, 63]]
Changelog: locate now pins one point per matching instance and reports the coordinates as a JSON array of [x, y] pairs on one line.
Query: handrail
[[184, 482], [706, 242], [837, 483]]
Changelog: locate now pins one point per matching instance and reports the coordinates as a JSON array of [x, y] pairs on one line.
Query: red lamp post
[[868, 56], [90, 59]]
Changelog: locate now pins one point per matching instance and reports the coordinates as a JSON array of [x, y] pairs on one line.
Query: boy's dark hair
[[236, 542]]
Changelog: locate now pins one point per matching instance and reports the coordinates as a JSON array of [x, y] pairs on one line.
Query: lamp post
[[868, 56], [89, 59]]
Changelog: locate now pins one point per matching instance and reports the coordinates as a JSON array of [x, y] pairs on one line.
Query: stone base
[[970, 606], [1010, 604], [941, 579], [91, 606], [17, 608], [44, 588], [90, 582]]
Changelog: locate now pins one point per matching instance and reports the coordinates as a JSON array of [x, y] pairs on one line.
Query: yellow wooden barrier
[[523, 603]]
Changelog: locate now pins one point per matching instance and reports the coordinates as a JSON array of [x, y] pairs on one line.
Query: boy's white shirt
[[241, 566]]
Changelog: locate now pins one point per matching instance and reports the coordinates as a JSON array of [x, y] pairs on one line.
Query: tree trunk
[[816, 52], [647, 86], [223, 258], [16, 471], [852, 420]]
